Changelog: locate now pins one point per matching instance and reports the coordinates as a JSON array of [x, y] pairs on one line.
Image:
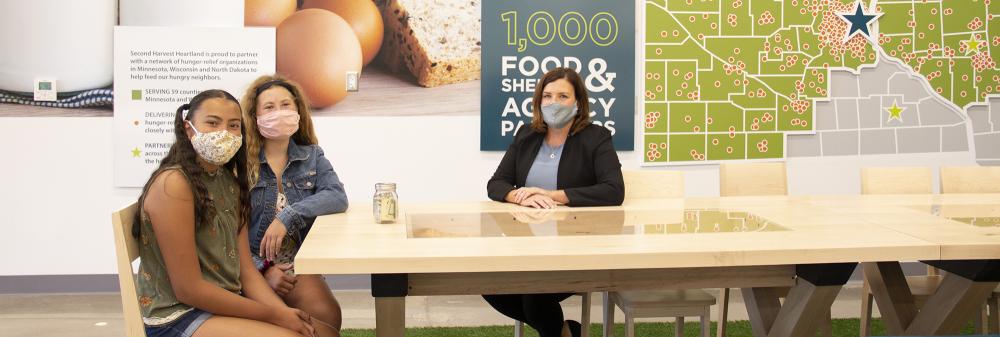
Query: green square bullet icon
[[136, 95]]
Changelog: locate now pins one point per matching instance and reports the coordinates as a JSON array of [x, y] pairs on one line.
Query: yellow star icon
[[972, 46], [895, 112], [136, 152]]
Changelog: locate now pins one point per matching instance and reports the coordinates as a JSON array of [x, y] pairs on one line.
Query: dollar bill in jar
[[385, 203]]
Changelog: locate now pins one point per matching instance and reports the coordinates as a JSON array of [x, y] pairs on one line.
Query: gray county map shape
[[856, 120]]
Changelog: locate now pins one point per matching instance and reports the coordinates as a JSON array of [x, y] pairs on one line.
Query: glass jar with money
[[385, 202]]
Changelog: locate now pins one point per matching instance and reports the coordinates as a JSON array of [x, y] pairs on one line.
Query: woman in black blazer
[[562, 159]]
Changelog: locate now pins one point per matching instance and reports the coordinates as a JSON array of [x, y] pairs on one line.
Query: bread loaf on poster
[[438, 41]]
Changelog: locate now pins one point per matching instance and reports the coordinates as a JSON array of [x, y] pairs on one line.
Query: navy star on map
[[859, 21]]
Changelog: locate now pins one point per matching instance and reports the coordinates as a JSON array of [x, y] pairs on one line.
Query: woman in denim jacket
[[292, 183]]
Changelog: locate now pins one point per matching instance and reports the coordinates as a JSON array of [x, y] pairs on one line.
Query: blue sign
[[522, 39]]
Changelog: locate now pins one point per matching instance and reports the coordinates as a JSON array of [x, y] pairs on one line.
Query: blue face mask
[[557, 116]]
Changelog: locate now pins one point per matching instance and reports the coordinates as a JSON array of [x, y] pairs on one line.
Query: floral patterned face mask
[[216, 147]]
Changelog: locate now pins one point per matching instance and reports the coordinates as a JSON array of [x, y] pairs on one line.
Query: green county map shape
[[728, 80]]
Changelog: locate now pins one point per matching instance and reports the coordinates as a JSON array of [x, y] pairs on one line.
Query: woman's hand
[[534, 216], [271, 242], [520, 195], [293, 319], [538, 201], [279, 280]]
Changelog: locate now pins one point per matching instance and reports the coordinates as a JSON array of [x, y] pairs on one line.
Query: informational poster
[[523, 39], [157, 69]]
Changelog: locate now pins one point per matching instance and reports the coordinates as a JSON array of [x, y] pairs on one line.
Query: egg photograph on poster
[[381, 57], [352, 57]]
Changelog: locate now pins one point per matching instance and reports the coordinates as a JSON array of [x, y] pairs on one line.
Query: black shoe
[[575, 329]]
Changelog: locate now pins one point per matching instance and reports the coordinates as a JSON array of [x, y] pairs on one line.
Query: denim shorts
[[183, 326]]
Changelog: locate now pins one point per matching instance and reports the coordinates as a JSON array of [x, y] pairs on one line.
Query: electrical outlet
[[352, 80], [45, 90]]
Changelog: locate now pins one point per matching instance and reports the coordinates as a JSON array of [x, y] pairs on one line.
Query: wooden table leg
[[951, 307], [723, 312], [962, 291], [585, 315], [762, 308], [826, 326], [866, 310], [390, 292], [390, 315], [979, 321], [803, 310], [609, 315], [993, 323], [815, 289], [892, 295]]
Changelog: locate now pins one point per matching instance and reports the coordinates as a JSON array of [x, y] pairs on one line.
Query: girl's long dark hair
[[182, 154]]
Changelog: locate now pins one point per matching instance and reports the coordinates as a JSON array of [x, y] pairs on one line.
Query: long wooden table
[[811, 244], [971, 233]]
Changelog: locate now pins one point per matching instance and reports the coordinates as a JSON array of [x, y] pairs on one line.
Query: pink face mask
[[278, 124]]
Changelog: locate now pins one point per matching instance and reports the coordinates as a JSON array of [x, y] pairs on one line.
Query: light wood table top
[[966, 226], [655, 233]]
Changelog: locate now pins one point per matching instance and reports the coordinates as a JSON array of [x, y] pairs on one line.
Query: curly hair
[[306, 135]]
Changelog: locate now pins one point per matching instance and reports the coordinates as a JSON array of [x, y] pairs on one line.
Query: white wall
[[58, 195]]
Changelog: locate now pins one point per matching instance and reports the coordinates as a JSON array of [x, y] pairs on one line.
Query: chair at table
[[127, 250], [977, 179], [970, 179], [898, 180], [653, 184], [679, 304], [757, 179], [752, 179]]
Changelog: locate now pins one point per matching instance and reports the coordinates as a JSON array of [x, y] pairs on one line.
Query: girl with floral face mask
[[292, 183], [196, 277]]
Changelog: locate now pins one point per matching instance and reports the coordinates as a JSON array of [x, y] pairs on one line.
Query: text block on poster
[[157, 69]]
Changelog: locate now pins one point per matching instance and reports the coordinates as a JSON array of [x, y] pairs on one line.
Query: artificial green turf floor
[[841, 328]]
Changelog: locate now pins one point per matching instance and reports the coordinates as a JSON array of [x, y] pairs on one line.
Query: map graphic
[[760, 79]]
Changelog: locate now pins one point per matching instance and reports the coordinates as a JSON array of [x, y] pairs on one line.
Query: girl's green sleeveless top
[[216, 241]]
